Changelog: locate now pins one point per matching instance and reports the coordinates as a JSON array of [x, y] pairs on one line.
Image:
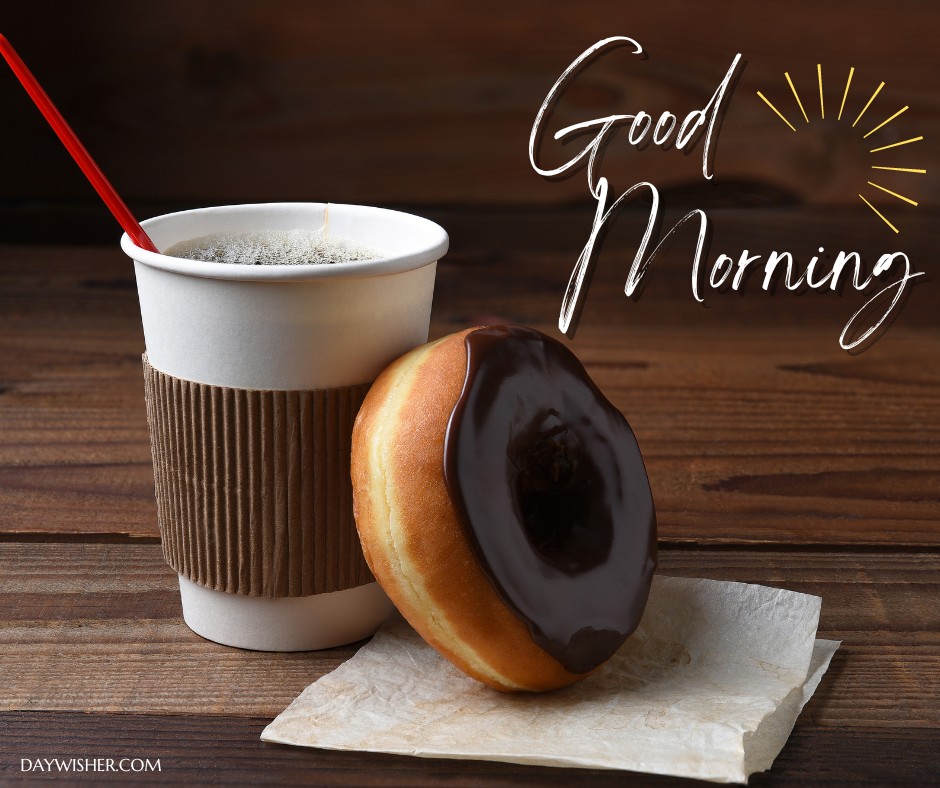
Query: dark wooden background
[[431, 103], [774, 456]]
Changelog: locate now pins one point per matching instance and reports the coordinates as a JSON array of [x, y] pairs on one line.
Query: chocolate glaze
[[552, 493]]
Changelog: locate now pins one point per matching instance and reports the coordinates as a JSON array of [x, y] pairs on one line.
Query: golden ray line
[[879, 214], [767, 102], [885, 122], [822, 106], [898, 169], [893, 194], [846, 94], [877, 91], [895, 144], [796, 96]]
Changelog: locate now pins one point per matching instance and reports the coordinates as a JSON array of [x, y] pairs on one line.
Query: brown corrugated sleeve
[[252, 487]]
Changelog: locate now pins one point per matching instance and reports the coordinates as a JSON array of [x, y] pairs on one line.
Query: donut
[[502, 503]]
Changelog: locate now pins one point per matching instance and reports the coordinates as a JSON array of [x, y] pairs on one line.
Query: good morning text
[[725, 271]]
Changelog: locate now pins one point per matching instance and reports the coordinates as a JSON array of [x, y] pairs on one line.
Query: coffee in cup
[[273, 247]]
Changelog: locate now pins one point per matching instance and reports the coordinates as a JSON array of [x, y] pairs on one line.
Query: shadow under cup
[[254, 375]]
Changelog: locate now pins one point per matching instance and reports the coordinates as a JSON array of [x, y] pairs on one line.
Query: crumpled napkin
[[709, 686]]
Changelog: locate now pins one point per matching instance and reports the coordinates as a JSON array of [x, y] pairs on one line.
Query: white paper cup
[[286, 328]]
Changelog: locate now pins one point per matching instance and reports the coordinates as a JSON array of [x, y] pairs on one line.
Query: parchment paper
[[709, 686]]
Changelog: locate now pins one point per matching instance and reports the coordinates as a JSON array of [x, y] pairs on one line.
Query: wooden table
[[774, 457]]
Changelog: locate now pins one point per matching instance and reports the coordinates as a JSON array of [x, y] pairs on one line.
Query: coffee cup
[[253, 377]]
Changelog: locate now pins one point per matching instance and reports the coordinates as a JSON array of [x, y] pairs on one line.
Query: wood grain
[[98, 628], [433, 103], [214, 750], [751, 436]]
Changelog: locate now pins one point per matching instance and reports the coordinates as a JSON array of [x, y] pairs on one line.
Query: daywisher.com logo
[[87, 765]]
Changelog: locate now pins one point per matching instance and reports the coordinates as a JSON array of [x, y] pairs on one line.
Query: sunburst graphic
[[885, 122]]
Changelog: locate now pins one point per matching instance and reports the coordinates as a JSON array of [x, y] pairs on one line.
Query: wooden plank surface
[[774, 458], [97, 662], [216, 750], [98, 628], [755, 426]]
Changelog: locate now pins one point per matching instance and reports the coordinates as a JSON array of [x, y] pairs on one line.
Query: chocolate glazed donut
[[552, 491], [503, 505]]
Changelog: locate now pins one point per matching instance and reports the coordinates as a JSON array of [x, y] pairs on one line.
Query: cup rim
[[433, 247]]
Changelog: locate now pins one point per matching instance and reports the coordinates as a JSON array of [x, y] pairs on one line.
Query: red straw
[[74, 146]]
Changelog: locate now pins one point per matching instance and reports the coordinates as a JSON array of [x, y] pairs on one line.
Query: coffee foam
[[273, 247]]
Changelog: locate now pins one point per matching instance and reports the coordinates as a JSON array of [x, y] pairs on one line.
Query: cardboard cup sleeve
[[252, 487]]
